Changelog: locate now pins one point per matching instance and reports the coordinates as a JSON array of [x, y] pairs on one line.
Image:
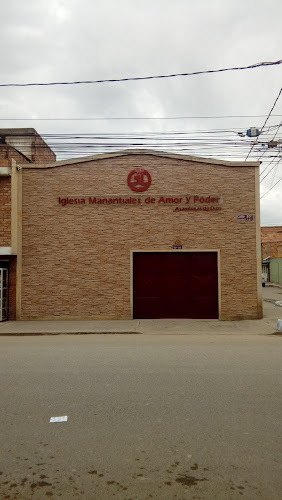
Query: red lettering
[[149, 200]]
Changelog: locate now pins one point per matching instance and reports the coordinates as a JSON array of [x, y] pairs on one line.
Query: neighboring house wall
[[22, 146], [272, 249], [271, 238], [7, 154], [5, 211], [276, 271], [25, 145]]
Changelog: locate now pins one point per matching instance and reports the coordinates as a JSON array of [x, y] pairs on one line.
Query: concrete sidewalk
[[149, 327], [267, 325]]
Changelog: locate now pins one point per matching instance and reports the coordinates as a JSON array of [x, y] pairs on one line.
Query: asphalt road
[[149, 417]]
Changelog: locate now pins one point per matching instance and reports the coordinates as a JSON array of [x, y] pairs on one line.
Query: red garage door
[[175, 285]]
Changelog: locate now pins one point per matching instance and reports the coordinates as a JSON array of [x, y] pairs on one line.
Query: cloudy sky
[[76, 40]]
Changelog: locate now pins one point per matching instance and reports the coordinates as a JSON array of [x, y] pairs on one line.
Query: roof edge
[[198, 159]]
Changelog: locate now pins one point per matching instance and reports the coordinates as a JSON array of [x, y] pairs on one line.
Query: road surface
[[149, 417]]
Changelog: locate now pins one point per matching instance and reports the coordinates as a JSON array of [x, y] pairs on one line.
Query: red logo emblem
[[139, 180]]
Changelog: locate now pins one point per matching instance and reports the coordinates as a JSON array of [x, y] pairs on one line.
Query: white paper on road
[[58, 419]]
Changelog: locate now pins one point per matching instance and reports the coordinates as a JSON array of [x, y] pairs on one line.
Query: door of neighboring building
[[3, 294], [175, 285]]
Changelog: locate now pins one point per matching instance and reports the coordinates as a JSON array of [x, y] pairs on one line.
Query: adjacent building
[[18, 146], [271, 242]]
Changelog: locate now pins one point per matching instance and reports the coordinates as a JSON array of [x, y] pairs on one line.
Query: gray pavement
[[267, 325], [149, 417]]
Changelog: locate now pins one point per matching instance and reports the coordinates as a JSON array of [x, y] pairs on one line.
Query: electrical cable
[[138, 78], [271, 188], [217, 143], [273, 176], [99, 118], [265, 122], [268, 165]]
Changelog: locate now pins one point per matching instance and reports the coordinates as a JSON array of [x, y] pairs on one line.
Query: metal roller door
[[175, 285]]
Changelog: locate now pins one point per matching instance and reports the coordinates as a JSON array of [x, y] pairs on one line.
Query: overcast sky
[[71, 40]]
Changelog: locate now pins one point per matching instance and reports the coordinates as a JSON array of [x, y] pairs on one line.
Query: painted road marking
[[58, 419]]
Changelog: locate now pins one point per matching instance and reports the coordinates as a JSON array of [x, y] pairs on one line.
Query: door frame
[[183, 250]]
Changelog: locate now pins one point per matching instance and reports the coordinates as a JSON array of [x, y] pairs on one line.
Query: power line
[[217, 143], [276, 131], [271, 188], [268, 166], [136, 118], [273, 176], [265, 122], [138, 78]]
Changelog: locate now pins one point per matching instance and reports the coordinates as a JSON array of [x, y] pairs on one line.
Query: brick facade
[[271, 238], [23, 146], [7, 153], [38, 151], [41, 153], [76, 259], [5, 211]]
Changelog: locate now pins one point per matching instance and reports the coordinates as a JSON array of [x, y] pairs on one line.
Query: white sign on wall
[[245, 218]]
